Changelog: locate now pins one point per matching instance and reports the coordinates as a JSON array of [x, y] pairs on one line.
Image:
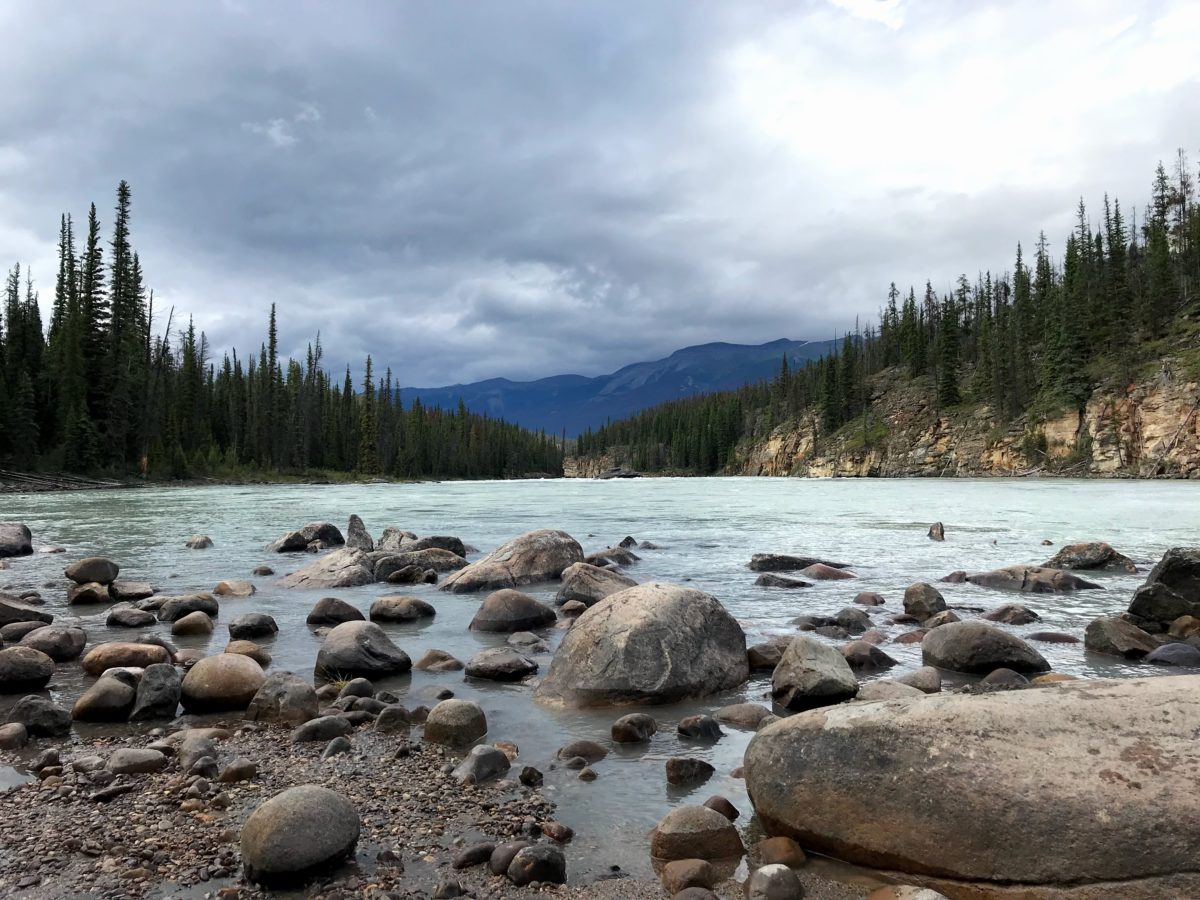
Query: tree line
[[1035, 339], [99, 390]]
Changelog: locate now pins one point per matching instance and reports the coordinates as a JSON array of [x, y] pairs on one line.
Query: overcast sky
[[478, 189]]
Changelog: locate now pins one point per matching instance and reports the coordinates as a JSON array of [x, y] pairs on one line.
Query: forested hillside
[[115, 386], [1030, 343]]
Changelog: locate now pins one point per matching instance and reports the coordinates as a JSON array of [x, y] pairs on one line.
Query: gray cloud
[[469, 190]]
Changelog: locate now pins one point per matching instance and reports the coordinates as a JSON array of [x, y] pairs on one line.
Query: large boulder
[[172, 609], [400, 608], [96, 569], [357, 536], [222, 682], [360, 649], [193, 624], [325, 532], [251, 626], [1114, 636], [14, 610], [158, 693], [500, 664], [129, 617], [123, 654], [332, 611], [1032, 580], [1090, 555], [923, 601], [436, 542], [1179, 569], [40, 716], [812, 674], [15, 539], [1029, 791], [507, 611], [695, 832], [89, 592], [780, 562], [978, 648], [653, 643], [1155, 604], [590, 584], [528, 559], [61, 643], [341, 568], [24, 669], [110, 699], [455, 723], [388, 563], [298, 834], [284, 698]]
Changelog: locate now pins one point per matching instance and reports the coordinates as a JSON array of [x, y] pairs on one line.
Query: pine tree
[[948, 354]]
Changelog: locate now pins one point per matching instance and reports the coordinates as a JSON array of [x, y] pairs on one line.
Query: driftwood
[[27, 481]]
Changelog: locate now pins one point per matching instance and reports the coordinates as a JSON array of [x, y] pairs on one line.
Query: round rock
[[298, 834]]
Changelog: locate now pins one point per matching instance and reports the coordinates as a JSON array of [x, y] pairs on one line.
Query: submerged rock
[[531, 558], [341, 568], [1090, 555], [1032, 580], [780, 562], [827, 778], [653, 643]]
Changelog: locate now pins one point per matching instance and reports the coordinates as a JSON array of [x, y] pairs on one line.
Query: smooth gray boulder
[[252, 626], [24, 669], [297, 834], [93, 569], [507, 611], [531, 558], [653, 643], [15, 539], [500, 664], [62, 643], [332, 611], [812, 674], [481, 764], [590, 584], [129, 617], [341, 568], [158, 693], [455, 723], [110, 699], [284, 698], [172, 609], [359, 649], [978, 648], [227, 681], [1024, 792]]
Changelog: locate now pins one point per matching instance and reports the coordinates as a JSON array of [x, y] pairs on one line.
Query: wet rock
[[321, 729], [685, 770], [503, 856], [24, 669], [945, 617], [779, 562], [296, 541], [195, 623], [1090, 555], [926, 679], [743, 715], [654, 643], [389, 566], [865, 657], [527, 642], [438, 661], [110, 699], [1052, 637], [130, 761], [129, 617], [234, 588], [1175, 654], [91, 592], [634, 728], [250, 626], [612, 556], [15, 540], [285, 698], [531, 558], [886, 690], [41, 717], [13, 736], [332, 611], [812, 674], [474, 855], [95, 569], [1004, 677], [978, 648], [1012, 614], [700, 728], [130, 590], [250, 649], [695, 832], [226, 681], [765, 657], [1179, 570], [341, 568], [822, 572], [923, 601], [392, 538], [1116, 637], [360, 649], [175, 608], [357, 536], [507, 611], [1032, 580], [723, 806], [13, 610], [1157, 603], [959, 577], [542, 863], [123, 654], [588, 584], [396, 608], [298, 833], [869, 598], [828, 779], [776, 882], [771, 580], [199, 542], [937, 532], [61, 643], [500, 664], [262, 571], [589, 751], [158, 693], [455, 723], [1184, 627], [531, 777], [481, 764], [14, 631], [853, 620], [780, 850], [446, 542]]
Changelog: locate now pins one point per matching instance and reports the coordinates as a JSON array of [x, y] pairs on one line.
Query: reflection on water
[[707, 530]]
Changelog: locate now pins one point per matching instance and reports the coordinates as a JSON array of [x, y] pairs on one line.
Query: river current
[[707, 529]]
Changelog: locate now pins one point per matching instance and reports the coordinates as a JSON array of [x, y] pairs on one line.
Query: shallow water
[[707, 528]]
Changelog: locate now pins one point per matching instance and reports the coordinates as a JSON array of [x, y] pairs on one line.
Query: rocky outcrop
[[531, 558], [653, 643], [1033, 792]]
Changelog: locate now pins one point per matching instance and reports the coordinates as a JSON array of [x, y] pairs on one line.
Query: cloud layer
[[518, 189]]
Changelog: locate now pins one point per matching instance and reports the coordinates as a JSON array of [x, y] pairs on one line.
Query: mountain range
[[575, 403]]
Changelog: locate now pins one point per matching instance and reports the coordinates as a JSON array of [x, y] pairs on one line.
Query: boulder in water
[[771, 580], [1090, 555], [937, 532], [360, 649], [1114, 636], [332, 611], [129, 617], [158, 693], [396, 608], [15, 539], [780, 562], [61, 643], [24, 669], [199, 542], [294, 541], [249, 626], [96, 569], [508, 611], [923, 601], [500, 664], [123, 654], [531, 558], [1032, 580], [341, 568], [110, 699], [15, 610], [978, 648], [174, 608], [226, 681], [357, 536], [812, 674], [590, 584]]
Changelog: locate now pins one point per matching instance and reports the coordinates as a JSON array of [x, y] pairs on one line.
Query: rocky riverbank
[[331, 780]]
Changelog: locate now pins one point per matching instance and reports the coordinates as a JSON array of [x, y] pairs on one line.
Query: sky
[[517, 189]]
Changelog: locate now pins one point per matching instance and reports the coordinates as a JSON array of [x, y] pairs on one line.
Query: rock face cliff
[[1150, 429]]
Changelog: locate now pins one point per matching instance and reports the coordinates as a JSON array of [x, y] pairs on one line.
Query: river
[[707, 529]]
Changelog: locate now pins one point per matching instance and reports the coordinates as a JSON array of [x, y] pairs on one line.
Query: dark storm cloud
[[476, 189]]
